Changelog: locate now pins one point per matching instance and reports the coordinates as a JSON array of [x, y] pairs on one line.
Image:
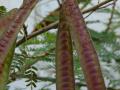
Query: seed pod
[[64, 58], [12, 26], [5, 60], [85, 48]]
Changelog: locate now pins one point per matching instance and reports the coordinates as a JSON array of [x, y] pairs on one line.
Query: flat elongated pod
[[8, 38], [64, 58], [5, 67], [85, 48], [6, 20]]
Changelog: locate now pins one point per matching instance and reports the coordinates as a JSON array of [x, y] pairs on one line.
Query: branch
[[55, 24], [97, 6], [43, 30]]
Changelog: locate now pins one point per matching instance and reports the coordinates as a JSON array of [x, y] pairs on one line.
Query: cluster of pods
[[72, 25], [71, 28]]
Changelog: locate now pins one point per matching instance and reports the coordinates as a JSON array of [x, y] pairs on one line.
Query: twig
[[54, 25], [106, 5], [47, 28], [89, 14], [111, 17], [59, 3], [97, 6]]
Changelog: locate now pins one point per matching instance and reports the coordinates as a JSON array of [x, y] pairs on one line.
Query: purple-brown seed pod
[[11, 28], [64, 59], [83, 43]]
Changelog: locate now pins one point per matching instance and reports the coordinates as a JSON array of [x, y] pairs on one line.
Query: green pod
[[85, 48], [64, 59], [10, 27]]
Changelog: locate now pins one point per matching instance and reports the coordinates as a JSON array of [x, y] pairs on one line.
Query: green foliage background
[[42, 49]]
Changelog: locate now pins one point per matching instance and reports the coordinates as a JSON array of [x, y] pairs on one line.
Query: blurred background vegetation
[[34, 59]]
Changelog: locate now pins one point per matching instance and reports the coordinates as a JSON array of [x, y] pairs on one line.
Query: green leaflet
[[85, 48], [64, 58], [10, 28], [2, 10]]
